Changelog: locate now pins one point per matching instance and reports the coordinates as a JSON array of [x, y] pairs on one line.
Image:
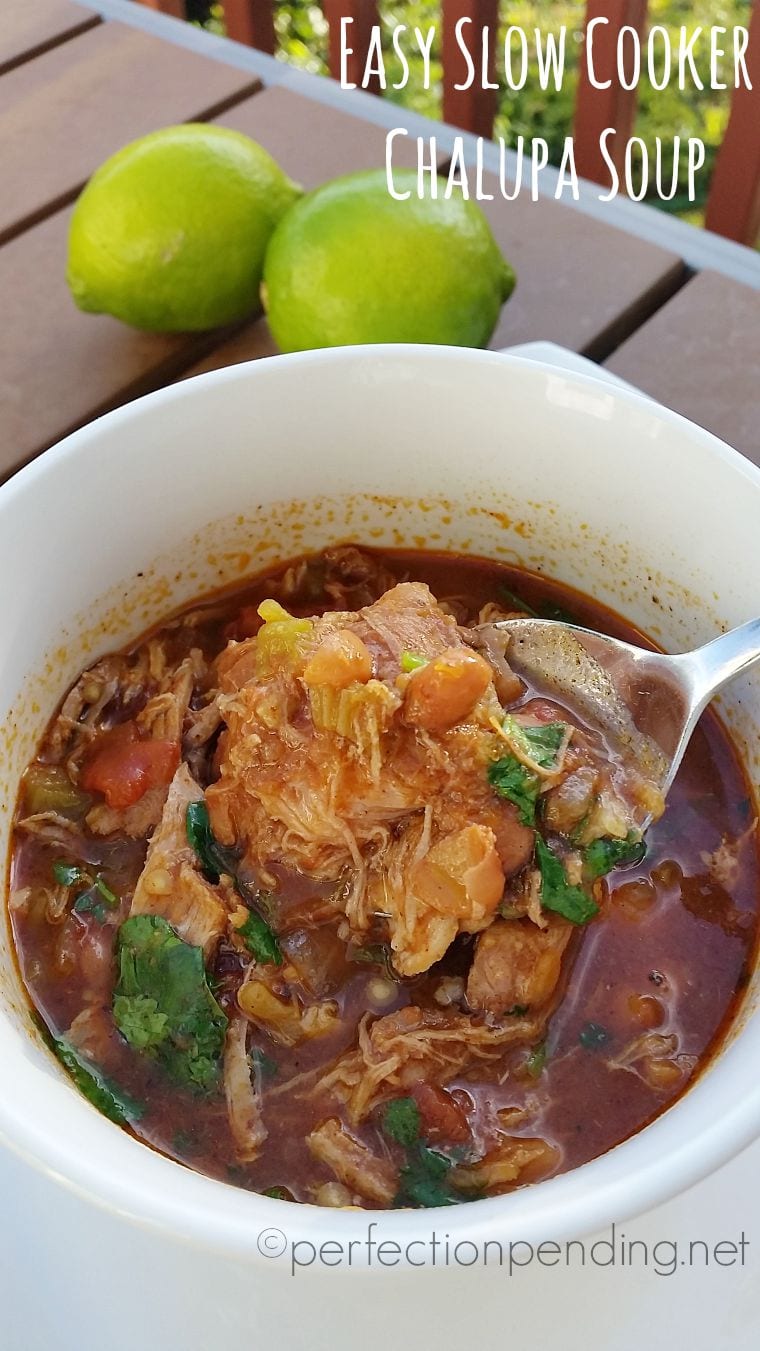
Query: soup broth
[[307, 1047]]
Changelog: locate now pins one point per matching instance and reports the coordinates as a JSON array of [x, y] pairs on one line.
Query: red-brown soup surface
[[642, 994]]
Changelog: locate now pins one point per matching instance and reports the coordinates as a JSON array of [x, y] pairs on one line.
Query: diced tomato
[[443, 1119], [123, 767]]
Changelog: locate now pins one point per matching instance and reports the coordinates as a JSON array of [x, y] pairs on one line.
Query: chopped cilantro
[[517, 602], [537, 1060], [512, 780], [261, 940], [423, 1178], [69, 874], [548, 610], [540, 744], [372, 954], [593, 1035], [140, 1020], [87, 903], [556, 892], [423, 1181], [601, 856], [517, 1011], [410, 661], [258, 936], [214, 860], [108, 896], [558, 613], [98, 1090], [95, 897], [402, 1122], [163, 1005]]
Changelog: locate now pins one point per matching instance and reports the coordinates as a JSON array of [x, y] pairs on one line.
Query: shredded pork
[[415, 1045], [171, 884], [368, 781], [353, 1163], [243, 1097]]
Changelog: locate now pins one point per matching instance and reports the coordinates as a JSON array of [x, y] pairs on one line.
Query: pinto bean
[[443, 692], [442, 1116], [340, 659]]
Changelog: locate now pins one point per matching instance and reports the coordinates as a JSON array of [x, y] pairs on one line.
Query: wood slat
[[252, 342], [66, 111], [313, 141], [473, 109], [697, 355], [733, 207], [597, 109], [251, 22], [580, 282], [28, 29], [58, 367]]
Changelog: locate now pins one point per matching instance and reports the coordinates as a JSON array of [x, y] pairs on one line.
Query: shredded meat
[[353, 577], [493, 643], [51, 826], [91, 1033], [338, 763], [517, 965], [280, 1013], [429, 893], [243, 1098], [163, 717], [566, 805], [170, 884], [514, 1159], [413, 1045], [353, 1163], [136, 821], [84, 705]]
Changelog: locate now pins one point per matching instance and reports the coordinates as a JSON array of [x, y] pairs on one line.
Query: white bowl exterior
[[106, 533]]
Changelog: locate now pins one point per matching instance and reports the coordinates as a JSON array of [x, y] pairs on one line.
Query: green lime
[[170, 233], [351, 264]]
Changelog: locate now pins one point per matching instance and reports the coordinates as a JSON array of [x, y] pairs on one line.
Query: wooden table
[[74, 87]]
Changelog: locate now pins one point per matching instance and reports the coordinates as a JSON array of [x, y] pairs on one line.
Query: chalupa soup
[[314, 895]]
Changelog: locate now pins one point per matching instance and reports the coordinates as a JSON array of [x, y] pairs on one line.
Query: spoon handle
[[711, 666]]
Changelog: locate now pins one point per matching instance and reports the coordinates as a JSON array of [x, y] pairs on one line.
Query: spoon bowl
[[645, 704]]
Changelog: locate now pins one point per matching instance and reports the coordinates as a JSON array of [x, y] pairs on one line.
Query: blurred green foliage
[[303, 38]]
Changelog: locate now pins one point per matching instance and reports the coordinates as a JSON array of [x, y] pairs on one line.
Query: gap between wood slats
[[199, 347], [70, 195], [639, 313], [55, 40], [599, 351]]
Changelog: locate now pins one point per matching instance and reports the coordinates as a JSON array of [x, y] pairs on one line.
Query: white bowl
[[204, 482]]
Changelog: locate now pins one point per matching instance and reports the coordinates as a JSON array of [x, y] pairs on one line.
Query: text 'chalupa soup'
[[313, 894]]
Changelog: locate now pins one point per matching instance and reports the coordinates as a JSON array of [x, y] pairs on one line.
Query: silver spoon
[[645, 704]]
